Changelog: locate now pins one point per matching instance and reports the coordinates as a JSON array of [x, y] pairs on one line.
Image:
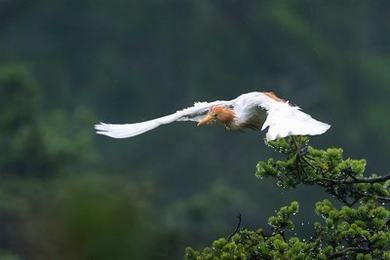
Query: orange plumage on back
[[272, 95]]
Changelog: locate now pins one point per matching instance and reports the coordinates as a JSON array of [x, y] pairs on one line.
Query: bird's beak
[[206, 120]]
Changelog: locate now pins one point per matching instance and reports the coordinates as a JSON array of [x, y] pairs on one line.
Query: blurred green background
[[66, 193]]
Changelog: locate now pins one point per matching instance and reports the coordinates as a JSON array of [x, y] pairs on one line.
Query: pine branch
[[364, 180], [348, 250]]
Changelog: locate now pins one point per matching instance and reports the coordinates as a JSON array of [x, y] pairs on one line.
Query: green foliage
[[38, 143], [351, 232], [281, 221], [303, 164]]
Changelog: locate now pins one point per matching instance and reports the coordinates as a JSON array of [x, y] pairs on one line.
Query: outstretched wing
[[194, 113], [283, 119]]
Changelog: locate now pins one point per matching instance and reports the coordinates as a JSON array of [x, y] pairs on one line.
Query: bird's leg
[[302, 149], [299, 165], [301, 153], [298, 156], [294, 141]]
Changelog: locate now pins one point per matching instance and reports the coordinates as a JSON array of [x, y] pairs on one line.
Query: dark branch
[[383, 199], [356, 180], [237, 227], [369, 180], [349, 249], [380, 198]]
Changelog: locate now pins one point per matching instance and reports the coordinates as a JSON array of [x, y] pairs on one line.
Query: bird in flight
[[255, 110]]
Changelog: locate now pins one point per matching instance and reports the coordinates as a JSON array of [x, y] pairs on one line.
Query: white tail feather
[[125, 130], [130, 130]]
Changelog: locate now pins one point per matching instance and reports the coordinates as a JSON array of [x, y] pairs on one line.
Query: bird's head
[[221, 113]]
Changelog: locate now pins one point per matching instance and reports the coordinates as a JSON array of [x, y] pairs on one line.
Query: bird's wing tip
[[327, 126]]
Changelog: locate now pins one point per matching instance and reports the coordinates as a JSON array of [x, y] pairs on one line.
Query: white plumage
[[246, 111]]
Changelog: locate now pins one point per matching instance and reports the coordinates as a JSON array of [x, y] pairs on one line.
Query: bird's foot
[[303, 150]]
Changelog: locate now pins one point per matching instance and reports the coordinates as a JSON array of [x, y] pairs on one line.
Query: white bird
[[255, 110]]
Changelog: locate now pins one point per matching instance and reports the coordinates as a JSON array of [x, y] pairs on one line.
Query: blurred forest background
[[66, 193]]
